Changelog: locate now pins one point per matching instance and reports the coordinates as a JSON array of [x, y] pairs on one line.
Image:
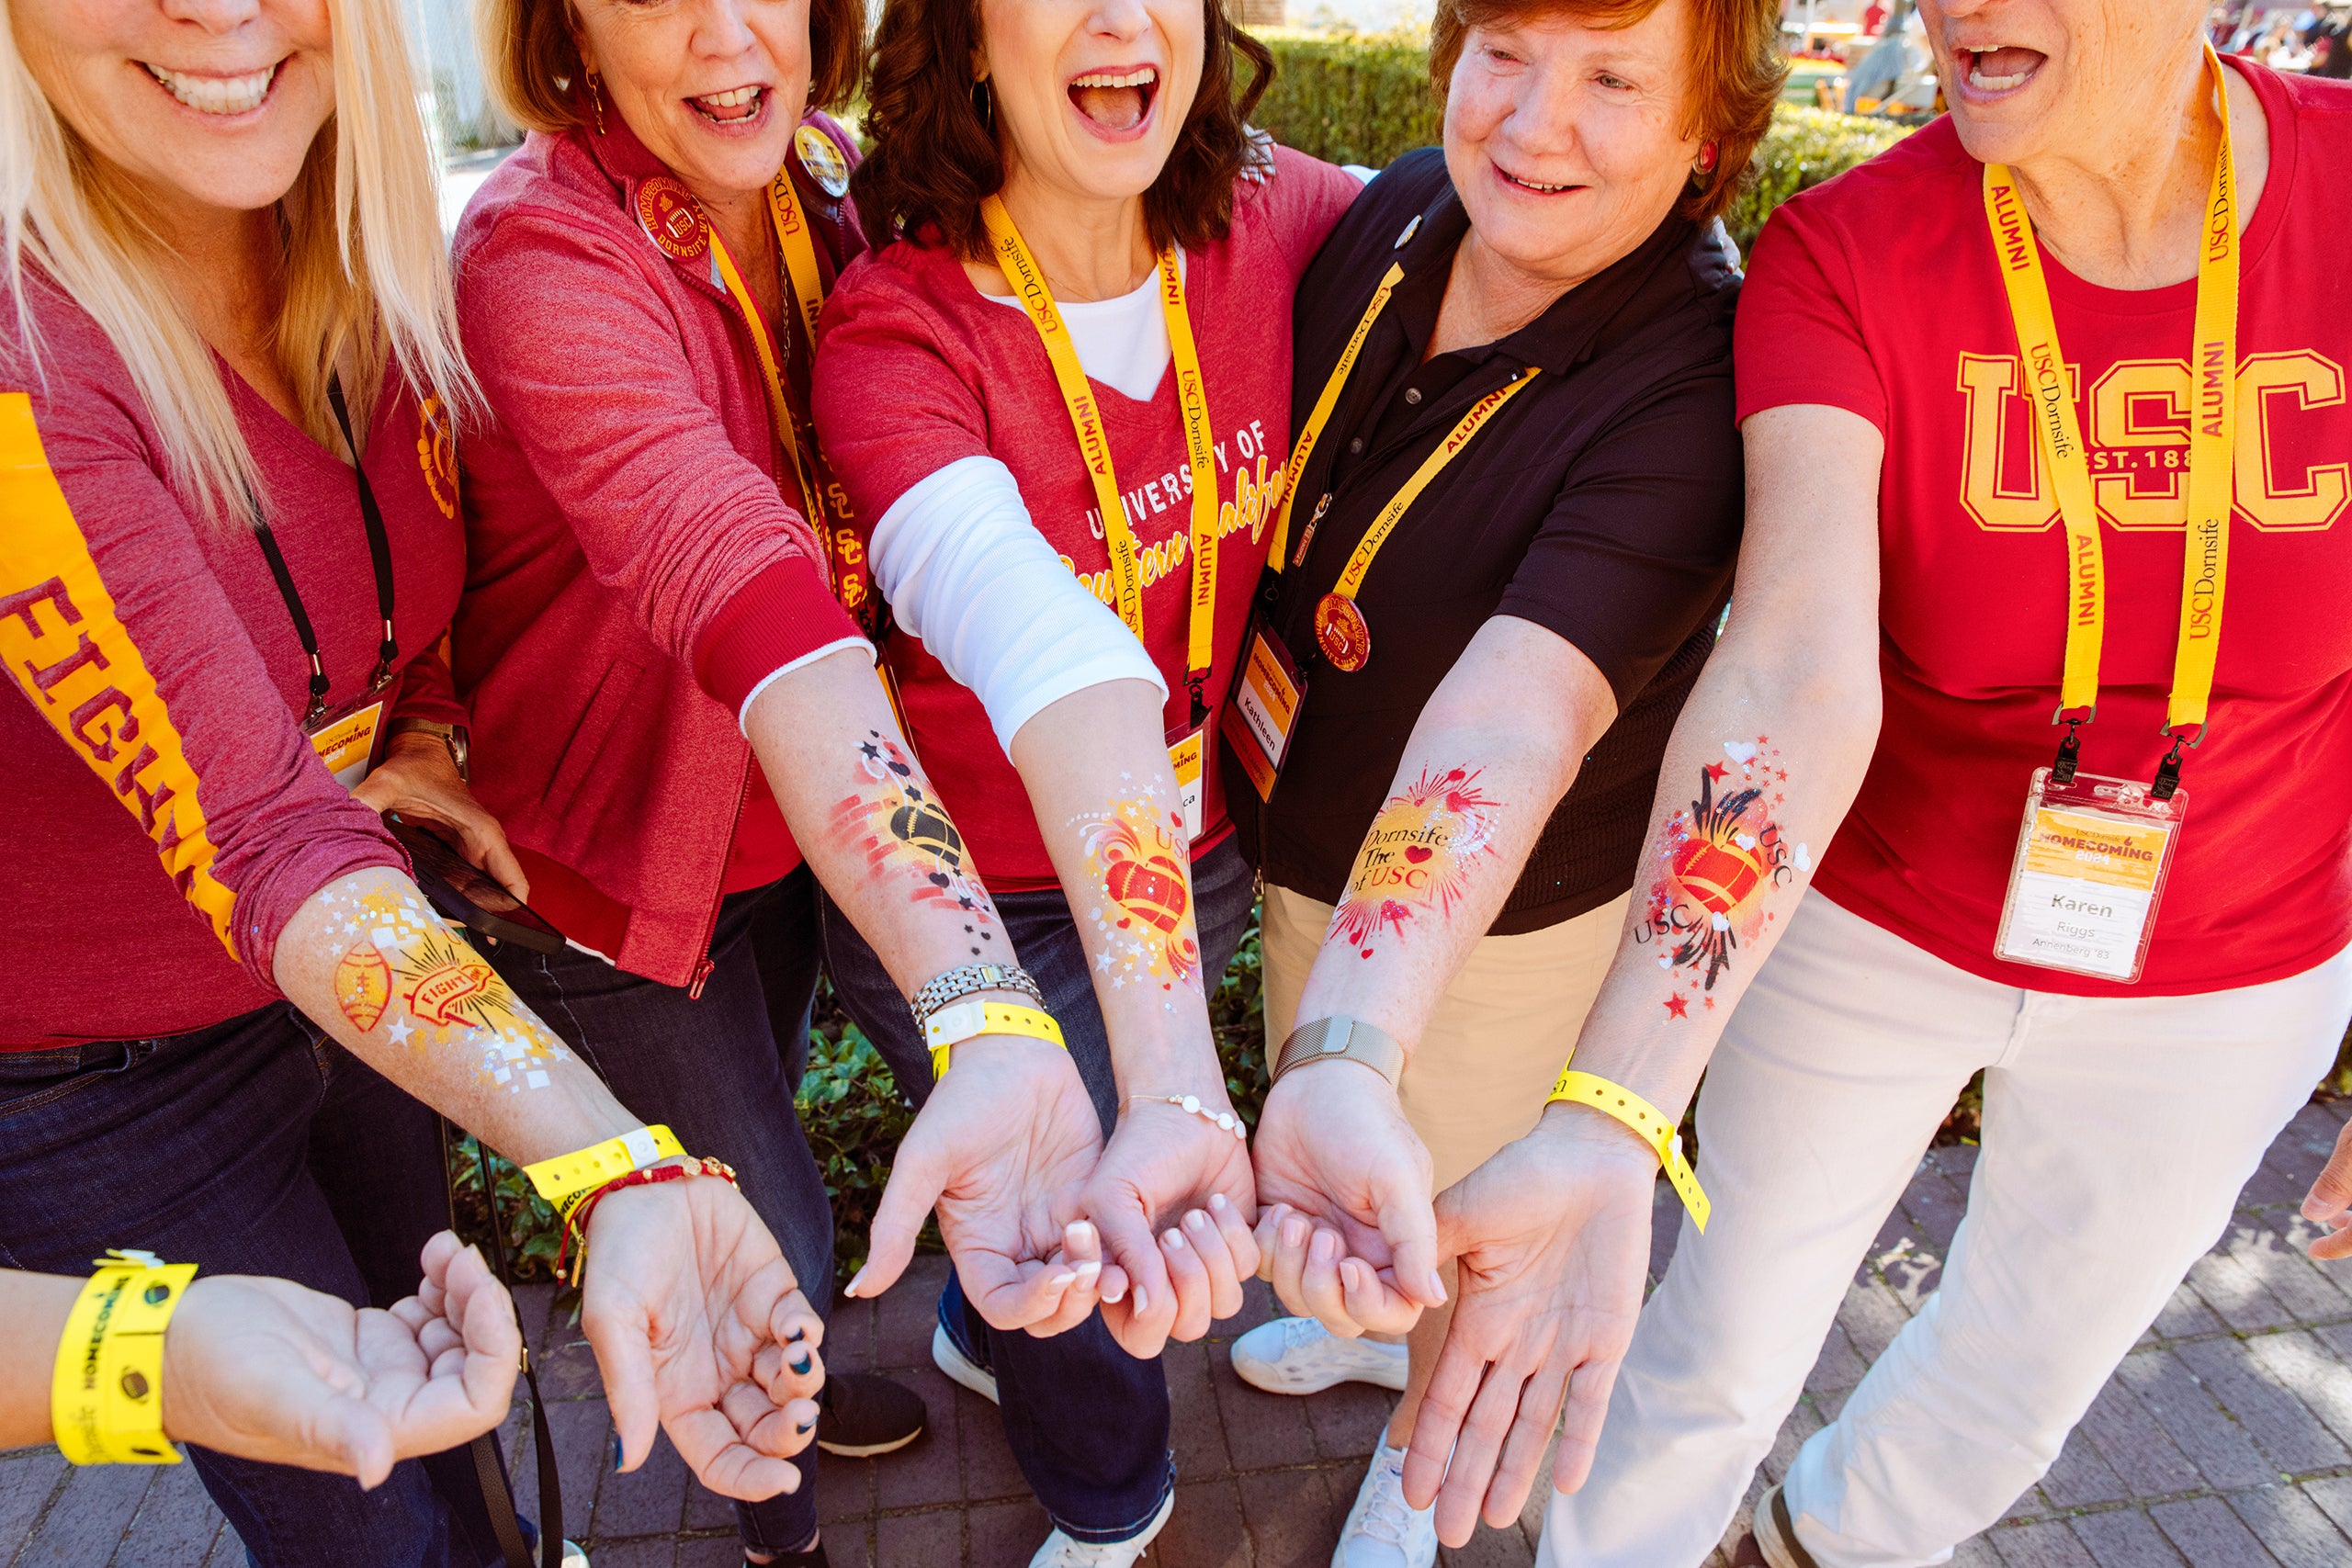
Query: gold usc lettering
[[2137, 427]]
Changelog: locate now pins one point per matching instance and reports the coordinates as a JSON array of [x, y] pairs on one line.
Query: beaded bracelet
[[575, 1222], [1225, 1120]]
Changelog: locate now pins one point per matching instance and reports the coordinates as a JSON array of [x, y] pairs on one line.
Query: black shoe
[[813, 1558], [859, 1416]]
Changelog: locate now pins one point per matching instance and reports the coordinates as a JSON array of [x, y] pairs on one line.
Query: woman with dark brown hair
[[1057, 395]]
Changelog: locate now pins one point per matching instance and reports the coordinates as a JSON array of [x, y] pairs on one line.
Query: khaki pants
[[1499, 1035]]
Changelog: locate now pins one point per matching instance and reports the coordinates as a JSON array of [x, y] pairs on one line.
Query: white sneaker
[[1060, 1552], [573, 1556], [1298, 1355], [949, 1358], [1381, 1532]]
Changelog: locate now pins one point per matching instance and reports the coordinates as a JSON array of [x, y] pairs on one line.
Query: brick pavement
[[2224, 1441]]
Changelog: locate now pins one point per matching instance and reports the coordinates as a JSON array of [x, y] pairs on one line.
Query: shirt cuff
[[782, 615], [743, 713]]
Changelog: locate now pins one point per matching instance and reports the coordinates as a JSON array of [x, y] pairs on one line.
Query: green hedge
[[1366, 98]]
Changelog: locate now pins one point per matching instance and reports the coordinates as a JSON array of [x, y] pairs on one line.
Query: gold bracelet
[[562, 1180], [105, 1397], [951, 1026], [1623, 1104]]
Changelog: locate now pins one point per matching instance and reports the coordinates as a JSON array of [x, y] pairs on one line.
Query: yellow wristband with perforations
[[566, 1179], [1621, 1104], [951, 1026], [105, 1395]]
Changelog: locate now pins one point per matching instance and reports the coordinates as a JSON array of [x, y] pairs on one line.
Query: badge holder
[[352, 744], [1258, 721], [2089, 872]]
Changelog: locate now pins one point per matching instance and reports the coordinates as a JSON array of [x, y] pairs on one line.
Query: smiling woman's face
[[1567, 141], [215, 105], [714, 88], [1090, 95], [2028, 78]]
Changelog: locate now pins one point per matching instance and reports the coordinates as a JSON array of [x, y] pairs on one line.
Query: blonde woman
[[231, 379]]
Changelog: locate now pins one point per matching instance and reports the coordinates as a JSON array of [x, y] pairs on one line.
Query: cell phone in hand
[[470, 896]]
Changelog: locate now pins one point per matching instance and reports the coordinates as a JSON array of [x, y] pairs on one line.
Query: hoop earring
[[597, 102], [984, 104]]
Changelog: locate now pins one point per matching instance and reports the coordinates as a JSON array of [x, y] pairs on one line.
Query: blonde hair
[[364, 269]]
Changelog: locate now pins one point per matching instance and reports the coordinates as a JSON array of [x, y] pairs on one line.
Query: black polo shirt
[[1603, 502]]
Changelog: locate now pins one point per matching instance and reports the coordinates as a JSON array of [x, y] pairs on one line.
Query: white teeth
[[1143, 78], [1985, 84], [728, 99], [217, 95], [1534, 184]]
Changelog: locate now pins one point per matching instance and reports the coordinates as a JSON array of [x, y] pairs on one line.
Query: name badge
[[347, 745], [2089, 872], [1185, 753], [1264, 711]]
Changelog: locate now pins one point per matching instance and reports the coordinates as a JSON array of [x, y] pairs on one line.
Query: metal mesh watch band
[[941, 989], [1341, 1039]]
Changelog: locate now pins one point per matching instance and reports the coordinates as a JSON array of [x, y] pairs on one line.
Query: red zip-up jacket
[[156, 680], [637, 559]]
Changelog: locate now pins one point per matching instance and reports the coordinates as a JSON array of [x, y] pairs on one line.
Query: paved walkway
[[2225, 1442]]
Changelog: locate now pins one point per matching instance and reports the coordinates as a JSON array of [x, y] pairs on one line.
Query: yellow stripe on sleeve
[[67, 648]]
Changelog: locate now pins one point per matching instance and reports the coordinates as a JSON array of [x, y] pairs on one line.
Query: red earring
[[1706, 157]]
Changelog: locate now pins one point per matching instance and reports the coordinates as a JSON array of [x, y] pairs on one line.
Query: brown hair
[[933, 159], [1737, 69], [531, 63]]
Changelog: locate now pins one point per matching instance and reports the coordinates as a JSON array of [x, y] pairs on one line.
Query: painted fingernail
[[1115, 1294], [807, 1426], [1175, 1240], [1216, 1201], [1142, 1300], [1058, 1280], [1293, 1231], [617, 1453], [1196, 1221], [803, 1364], [1347, 1277], [796, 1337], [1437, 1284], [1325, 1246], [1080, 1234], [1087, 1269]]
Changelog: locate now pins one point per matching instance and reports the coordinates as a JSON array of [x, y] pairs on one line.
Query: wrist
[[1582, 1133]]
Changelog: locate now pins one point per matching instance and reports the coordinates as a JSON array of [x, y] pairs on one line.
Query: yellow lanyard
[[1028, 281], [805, 285], [2211, 448], [1325, 401]]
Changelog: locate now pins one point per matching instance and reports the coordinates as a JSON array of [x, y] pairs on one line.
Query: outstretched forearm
[[1496, 747]]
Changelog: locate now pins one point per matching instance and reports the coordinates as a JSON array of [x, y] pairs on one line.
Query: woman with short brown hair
[[1066, 501]]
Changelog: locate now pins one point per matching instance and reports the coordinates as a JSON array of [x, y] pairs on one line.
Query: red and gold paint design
[[899, 825], [1140, 857], [401, 963], [1716, 864], [1417, 857]]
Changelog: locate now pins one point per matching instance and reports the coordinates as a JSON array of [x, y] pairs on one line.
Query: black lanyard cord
[[302, 629], [379, 543]]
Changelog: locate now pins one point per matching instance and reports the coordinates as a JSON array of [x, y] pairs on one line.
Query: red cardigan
[[636, 562]]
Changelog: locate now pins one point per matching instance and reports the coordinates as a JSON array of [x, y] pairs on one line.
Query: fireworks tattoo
[[1139, 854], [403, 963], [899, 825], [1417, 856], [1716, 862]]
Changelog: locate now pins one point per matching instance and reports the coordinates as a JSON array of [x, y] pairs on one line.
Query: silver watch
[[1343, 1040], [941, 989]]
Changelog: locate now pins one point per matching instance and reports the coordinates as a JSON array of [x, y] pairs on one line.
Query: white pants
[[2117, 1135]]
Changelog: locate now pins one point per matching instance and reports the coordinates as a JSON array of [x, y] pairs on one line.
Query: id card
[[1257, 722], [1185, 754], [2089, 872], [347, 745]]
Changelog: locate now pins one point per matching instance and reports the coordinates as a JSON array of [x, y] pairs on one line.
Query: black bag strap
[[506, 1523]]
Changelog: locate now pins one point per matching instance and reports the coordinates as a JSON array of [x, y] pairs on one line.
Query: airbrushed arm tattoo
[[901, 828], [1139, 860], [1418, 858], [1714, 867]]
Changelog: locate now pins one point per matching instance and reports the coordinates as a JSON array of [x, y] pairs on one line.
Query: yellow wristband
[[1623, 1104], [952, 1026], [105, 1397], [563, 1181]]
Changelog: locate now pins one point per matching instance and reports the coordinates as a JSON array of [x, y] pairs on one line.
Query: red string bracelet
[[575, 1222]]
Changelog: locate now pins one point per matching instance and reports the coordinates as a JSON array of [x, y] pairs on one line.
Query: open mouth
[[1536, 187], [2001, 70], [1115, 101], [735, 106], [217, 95]]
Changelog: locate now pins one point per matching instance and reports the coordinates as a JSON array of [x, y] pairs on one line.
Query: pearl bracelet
[[1226, 1121]]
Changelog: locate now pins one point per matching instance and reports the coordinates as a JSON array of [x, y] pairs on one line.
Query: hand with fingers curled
[[1002, 1150], [1551, 1239], [2329, 1203], [418, 780], [1173, 1200], [699, 1328], [1345, 1229]]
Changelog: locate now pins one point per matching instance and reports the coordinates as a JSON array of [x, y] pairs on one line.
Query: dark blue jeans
[[252, 1147], [708, 1066], [1087, 1422]]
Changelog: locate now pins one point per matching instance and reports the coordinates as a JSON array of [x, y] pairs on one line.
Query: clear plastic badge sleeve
[[2089, 873]]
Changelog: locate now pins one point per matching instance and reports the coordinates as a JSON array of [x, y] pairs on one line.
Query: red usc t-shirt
[[1878, 292], [916, 370]]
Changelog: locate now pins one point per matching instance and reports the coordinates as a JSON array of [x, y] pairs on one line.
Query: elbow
[[1833, 681]]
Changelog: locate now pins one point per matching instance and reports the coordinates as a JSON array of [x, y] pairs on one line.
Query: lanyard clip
[[386, 651], [1306, 534], [319, 684], [2168, 779], [1193, 683], [2070, 749]]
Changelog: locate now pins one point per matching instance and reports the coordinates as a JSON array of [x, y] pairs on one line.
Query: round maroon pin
[[1340, 632], [674, 218]]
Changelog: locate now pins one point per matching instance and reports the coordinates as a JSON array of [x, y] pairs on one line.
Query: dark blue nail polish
[[796, 1337], [806, 1427], [803, 1364], [617, 1453]]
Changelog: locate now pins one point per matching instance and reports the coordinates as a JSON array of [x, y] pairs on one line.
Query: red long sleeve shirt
[[166, 816]]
